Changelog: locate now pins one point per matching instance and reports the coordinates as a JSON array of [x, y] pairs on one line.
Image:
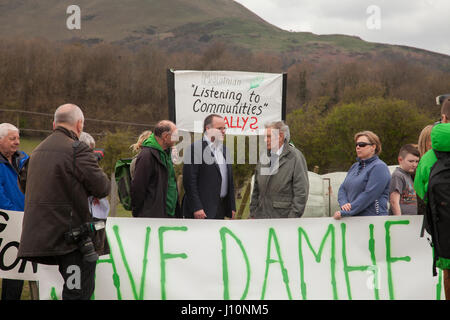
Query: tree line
[[326, 102]]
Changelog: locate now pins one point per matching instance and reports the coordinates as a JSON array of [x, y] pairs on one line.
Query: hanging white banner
[[246, 100]]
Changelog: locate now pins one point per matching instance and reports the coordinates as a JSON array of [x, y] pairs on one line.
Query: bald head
[[68, 114], [70, 117], [163, 126], [166, 133]]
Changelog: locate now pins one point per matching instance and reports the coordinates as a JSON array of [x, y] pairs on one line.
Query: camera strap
[[75, 145]]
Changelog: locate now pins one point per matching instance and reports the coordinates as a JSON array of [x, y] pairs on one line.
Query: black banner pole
[[283, 103], [171, 94]]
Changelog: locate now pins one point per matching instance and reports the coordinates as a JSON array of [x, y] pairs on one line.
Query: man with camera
[[58, 228]]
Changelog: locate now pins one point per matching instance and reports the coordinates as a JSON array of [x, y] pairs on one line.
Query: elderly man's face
[[274, 139], [171, 137], [10, 143]]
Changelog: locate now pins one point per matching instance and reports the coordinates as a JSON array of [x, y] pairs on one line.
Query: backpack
[[437, 216], [123, 180]]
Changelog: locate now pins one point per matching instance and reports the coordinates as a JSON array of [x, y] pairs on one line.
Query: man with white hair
[[99, 208], [281, 187], [11, 198], [62, 173]]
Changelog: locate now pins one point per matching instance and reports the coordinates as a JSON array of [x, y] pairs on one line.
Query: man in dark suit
[[207, 176]]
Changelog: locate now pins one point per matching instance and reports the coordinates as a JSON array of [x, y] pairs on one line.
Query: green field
[[28, 144]]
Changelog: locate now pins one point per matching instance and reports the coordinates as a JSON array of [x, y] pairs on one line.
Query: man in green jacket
[[153, 189], [440, 141]]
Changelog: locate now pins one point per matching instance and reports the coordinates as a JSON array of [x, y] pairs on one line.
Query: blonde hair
[[136, 147], [424, 137], [372, 137]]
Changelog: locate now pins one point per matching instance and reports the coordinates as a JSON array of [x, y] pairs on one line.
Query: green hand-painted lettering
[[439, 286], [53, 294], [318, 255], [272, 235], [165, 256], [115, 276], [137, 296], [390, 260], [371, 268], [226, 293], [439, 283]]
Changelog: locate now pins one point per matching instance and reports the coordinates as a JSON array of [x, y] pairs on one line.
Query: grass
[[29, 144]]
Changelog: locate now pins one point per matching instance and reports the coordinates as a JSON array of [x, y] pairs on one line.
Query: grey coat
[[284, 193]]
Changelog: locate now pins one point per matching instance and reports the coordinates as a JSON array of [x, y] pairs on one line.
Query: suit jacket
[[202, 182]]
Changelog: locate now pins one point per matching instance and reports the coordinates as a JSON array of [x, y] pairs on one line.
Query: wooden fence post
[[34, 290], [244, 201]]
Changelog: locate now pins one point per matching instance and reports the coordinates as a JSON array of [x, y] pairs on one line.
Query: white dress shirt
[[217, 150]]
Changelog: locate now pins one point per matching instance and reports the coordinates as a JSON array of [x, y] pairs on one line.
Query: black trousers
[[78, 275], [11, 289]]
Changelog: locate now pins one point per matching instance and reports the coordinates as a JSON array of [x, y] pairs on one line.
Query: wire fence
[[18, 112]]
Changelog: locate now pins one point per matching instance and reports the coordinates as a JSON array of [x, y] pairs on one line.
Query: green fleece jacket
[[440, 141], [166, 158]]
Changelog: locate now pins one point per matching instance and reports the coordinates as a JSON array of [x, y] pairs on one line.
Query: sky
[[423, 24]]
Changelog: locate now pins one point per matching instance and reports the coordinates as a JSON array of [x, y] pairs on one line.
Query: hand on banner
[[337, 215], [233, 214], [200, 214]]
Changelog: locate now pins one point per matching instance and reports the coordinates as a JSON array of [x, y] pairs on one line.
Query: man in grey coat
[[281, 187]]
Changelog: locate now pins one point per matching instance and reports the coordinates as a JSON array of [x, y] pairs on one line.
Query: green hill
[[116, 20], [191, 25]]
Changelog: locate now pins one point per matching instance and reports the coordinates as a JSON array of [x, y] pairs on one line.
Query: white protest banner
[[10, 231], [306, 258], [246, 100]]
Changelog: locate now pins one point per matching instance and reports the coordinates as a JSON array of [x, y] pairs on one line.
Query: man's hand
[[200, 214], [347, 207], [233, 214]]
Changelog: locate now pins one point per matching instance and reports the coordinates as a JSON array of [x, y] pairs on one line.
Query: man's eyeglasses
[[363, 144]]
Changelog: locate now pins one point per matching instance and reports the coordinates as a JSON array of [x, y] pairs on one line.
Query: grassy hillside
[[191, 25], [113, 20]]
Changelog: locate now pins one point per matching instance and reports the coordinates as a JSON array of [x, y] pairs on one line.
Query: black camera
[[82, 237]]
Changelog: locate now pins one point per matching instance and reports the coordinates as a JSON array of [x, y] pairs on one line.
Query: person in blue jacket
[[11, 198], [365, 190]]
